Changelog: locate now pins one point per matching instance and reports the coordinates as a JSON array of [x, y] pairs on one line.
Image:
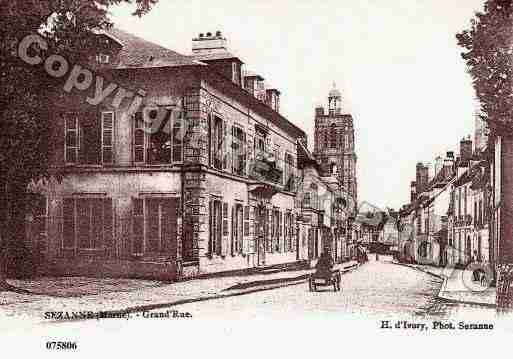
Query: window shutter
[[249, 153], [68, 223], [211, 229], [213, 143], [292, 234], [246, 221], [280, 223], [233, 236], [269, 225], [108, 226], [223, 146], [168, 225], [233, 144], [107, 119], [226, 151], [71, 139], [139, 138], [286, 220], [225, 231], [138, 226], [245, 230], [178, 135], [243, 155]]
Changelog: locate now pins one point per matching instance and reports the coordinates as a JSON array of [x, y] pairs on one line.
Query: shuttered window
[[89, 138], [107, 137], [71, 138], [217, 141], [292, 233], [226, 159], [216, 230], [237, 238], [158, 136], [238, 151], [279, 244], [178, 134], [87, 223], [154, 225], [139, 138]]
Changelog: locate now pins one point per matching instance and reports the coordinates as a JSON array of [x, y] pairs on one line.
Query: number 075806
[[61, 345]]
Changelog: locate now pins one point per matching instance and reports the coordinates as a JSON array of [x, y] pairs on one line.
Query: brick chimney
[[422, 177], [209, 44], [438, 164], [466, 148], [251, 83], [273, 99], [449, 161]]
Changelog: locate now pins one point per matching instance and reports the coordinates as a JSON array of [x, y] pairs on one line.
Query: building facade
[[201, 177]]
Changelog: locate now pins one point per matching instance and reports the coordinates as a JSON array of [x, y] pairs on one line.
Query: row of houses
[[205, 176], [447, 220]]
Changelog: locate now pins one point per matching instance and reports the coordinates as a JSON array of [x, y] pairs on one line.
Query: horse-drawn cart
[[325, 279]]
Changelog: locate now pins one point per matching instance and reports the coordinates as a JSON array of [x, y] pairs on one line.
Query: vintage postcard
[[278, 178]]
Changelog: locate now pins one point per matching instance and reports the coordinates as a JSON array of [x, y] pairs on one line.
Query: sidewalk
[[458, 286], [102, 295]]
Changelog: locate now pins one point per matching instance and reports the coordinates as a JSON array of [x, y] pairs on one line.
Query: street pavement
[[377, 288]]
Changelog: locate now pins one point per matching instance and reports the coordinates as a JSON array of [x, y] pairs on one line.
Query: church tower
[[334, 142]]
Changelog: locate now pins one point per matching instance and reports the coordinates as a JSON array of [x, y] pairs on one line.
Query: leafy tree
[[488, 45], [68, 26]]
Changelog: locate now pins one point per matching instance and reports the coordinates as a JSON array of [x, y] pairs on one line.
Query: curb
[[142, 308], [450, 300], [420, 270], [443, 286]]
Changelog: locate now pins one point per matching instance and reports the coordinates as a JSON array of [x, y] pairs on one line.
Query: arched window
[[333, 169], [333, 136]]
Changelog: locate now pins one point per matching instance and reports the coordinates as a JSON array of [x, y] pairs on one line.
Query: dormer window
[[103, 58]]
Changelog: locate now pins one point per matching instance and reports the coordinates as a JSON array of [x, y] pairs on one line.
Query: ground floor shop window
[[313, 245], [87, 223], [276, 231], [154, 225]]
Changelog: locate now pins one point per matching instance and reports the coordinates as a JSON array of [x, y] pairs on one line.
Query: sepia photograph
[[283, 178]]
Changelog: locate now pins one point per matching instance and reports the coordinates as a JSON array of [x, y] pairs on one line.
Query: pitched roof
[[305, 157], [140, 53], [443, 177]]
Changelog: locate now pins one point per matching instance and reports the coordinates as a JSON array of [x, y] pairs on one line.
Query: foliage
[[488, 45], [68, 26]]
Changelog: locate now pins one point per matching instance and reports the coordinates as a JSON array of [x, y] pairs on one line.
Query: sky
[[396, 62]]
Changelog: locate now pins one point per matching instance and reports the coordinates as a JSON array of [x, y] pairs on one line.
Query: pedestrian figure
[[324, 264], [377, 256]]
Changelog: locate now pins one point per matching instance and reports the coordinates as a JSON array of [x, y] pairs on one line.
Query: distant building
[[334, 142]]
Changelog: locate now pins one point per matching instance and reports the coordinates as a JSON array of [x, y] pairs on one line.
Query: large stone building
[[202, 177], [334, 142]]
